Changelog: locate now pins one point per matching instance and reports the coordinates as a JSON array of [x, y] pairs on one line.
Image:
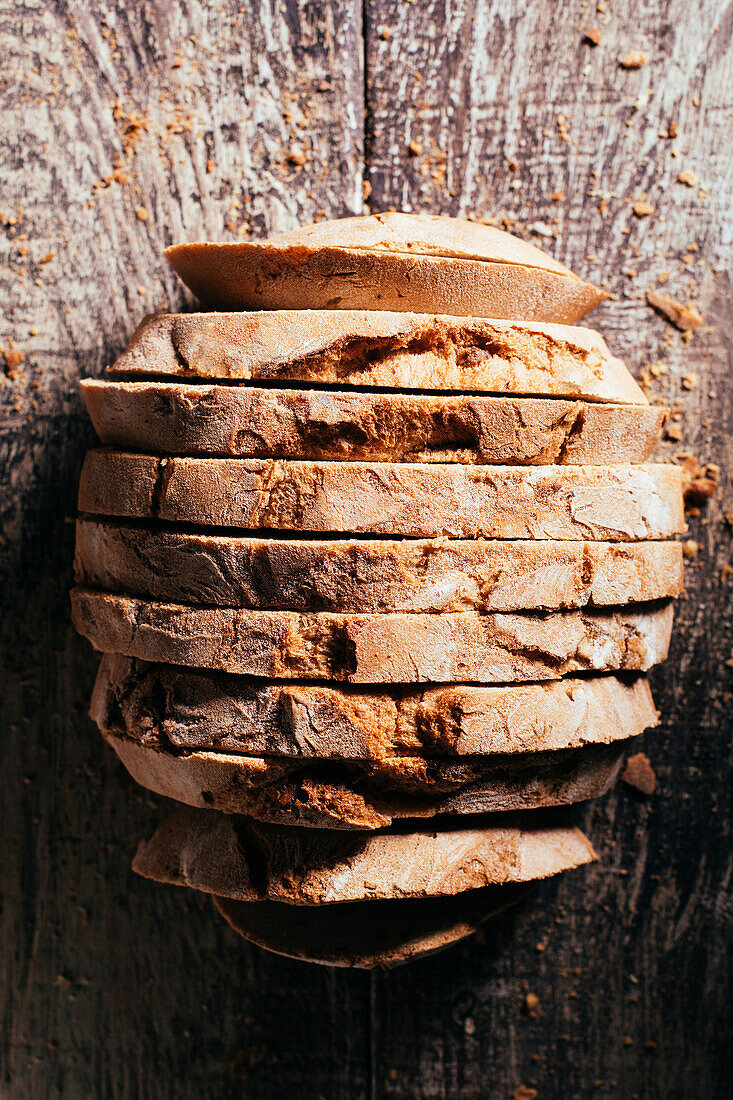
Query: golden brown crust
[[388, 262], [233, 857], [364, 796], [392, 648], [371, 348], [369, 575], [186, 709], [419, 234], [177, 418], [556, 502]]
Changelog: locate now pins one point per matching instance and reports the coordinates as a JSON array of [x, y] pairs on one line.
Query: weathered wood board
[[128, 126]]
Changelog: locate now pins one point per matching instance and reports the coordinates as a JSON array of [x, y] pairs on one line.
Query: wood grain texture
[[113, 988], [640, 949]]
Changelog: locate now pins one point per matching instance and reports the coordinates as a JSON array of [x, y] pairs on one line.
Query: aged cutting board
[[129, 126]]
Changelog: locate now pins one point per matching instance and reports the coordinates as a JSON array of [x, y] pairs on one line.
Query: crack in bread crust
[[388, 648]]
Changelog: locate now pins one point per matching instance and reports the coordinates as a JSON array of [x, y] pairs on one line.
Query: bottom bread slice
[[367, 934], [325, 796], [248, 861]]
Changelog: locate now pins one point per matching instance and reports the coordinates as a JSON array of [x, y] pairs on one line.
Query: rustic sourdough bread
[[174, 418], [405, 786], [389, 648], [236, 858], [367, 934], [544, 502], [397, 350], [387, 261], [371, 576], [213, 710]]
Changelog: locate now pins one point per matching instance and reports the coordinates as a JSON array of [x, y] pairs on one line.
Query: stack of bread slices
[[377, 568]]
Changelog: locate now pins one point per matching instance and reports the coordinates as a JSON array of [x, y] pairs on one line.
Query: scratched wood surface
[[128, 126]]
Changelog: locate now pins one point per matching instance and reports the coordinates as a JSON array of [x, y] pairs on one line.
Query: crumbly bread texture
[[390, 648], [370, 575], [187, 710], [621, 503], [405, 351], [177, 418], [367, 934], [388, 261], [233, 857], [359, 795]]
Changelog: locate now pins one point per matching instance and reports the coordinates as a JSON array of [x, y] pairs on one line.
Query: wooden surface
[[129, 126]]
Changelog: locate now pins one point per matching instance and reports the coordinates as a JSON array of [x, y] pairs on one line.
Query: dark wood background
[[126, 126]]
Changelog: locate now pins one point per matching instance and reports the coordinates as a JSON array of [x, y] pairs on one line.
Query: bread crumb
[[12, 360], [531, 1001], [642, 209], [699, 483], [640, 774], [141, 214], [558, 196], [634, 59], [689, 381], [414, 148], [592, 37], [688, 177], [46, 258], [690, 549], [296, 157], [686, 317], [524, 1093]]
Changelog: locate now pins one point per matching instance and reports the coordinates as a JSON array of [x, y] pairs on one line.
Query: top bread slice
[[396, 350], [388, 261], [231, 856]]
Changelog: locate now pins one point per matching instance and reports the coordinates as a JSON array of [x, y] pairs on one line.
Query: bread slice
[[176, 418], [544, 502], [367, 934], [387, 261], [371, 576], [187, 710], [232, 857], [369, 649], [322, 796], [406, 351]]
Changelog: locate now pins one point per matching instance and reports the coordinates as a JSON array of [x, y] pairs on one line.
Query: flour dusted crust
[[185, 709], [388, 261], [367, 934], [371, 575], [556, 502], [315, 794], [397, 350], [248, 861], [177, 418], [390, 648]]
